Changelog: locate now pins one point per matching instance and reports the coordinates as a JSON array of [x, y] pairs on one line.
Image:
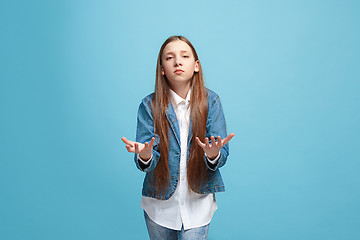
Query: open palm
[[144, 150], [212, 150]]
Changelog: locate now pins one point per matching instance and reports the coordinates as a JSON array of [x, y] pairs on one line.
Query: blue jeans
[[157, 232]]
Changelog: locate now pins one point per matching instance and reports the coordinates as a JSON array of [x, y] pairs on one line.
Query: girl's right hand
[[144, 150]]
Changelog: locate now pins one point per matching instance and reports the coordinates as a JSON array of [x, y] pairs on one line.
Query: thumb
[[202, 145]]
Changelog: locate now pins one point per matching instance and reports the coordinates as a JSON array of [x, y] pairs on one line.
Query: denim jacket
[[215, 126]]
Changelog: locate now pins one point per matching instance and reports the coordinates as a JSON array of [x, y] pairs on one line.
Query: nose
[[178, 61]]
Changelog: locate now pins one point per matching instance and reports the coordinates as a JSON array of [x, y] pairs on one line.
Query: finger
[[128, 148], [146, 144], [152, 142], [213, 141], [207, 142], [136, 147], [126, 141], [219, 140], [201, 144], [228, 138]]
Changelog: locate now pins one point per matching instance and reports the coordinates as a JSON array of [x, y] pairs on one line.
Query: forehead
[[177, 46]]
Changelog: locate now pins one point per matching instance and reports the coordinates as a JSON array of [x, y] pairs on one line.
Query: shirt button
[[182, 178], [182, 203]]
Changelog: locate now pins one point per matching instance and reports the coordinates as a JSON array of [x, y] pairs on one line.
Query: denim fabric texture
[[215, 126], [157, 232]]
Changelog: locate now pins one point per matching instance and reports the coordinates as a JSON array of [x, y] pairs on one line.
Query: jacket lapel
[[190, 133], [174, 124]]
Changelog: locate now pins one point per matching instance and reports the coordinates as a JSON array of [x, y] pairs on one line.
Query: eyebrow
[[183, 51]]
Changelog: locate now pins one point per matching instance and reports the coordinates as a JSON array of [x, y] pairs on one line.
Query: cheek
[[166, 68], [192, 67]]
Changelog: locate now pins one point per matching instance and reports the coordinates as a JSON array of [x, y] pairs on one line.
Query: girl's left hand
[[212, 150]]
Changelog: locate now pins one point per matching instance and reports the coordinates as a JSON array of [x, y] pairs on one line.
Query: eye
[[186, 56], [168, 58]]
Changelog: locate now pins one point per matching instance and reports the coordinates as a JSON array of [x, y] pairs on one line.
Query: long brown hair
[[196, 168]]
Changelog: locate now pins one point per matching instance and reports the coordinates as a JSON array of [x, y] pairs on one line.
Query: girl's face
[[178, 63]]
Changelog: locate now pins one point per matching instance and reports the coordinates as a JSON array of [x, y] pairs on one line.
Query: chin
[[179, 81]]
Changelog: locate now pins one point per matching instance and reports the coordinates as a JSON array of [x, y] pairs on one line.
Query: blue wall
[[73, 74]]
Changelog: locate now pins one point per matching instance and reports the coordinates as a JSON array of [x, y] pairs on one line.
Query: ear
[[162, 71], [197, 69]]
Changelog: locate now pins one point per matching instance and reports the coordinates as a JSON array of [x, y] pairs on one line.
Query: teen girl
[[181, 142]]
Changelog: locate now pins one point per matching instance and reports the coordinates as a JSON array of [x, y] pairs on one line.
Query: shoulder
[[212, 96], [145, 105], [148, 98]]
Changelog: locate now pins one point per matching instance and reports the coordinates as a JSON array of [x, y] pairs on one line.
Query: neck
[[181, 90]]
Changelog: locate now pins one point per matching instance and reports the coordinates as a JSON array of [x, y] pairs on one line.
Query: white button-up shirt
[[183, 207]]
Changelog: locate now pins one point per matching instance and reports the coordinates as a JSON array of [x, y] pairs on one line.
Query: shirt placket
[[183, 176]]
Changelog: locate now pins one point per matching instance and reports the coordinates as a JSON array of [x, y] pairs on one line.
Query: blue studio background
[[74, 72]]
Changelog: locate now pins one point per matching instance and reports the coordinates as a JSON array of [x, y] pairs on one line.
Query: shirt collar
[[177, 99]]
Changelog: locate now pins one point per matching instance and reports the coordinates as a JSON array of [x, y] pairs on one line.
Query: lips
[[178, 71]]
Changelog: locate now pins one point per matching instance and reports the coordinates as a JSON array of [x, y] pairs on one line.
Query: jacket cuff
[[213, 161], [144, 164]]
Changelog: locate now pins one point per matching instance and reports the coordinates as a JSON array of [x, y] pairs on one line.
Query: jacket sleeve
[[144, 133], [216, 126]]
